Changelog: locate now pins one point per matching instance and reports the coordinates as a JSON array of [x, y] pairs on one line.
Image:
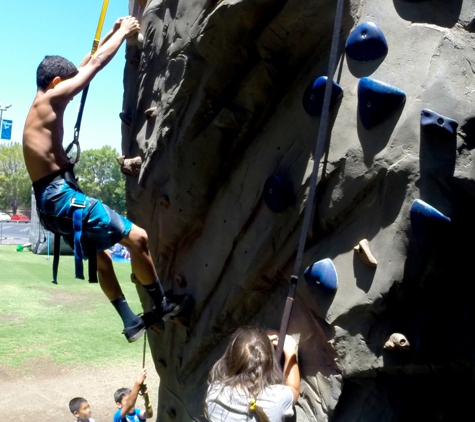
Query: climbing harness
[[77, 126], [79, 200], [319, 149]]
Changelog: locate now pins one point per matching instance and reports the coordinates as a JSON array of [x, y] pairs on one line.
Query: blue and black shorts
[[55, 196]]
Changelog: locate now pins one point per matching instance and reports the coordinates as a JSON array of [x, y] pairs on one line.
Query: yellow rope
[[100, 24]]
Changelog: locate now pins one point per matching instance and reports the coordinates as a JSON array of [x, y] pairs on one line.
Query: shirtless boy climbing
[[58, 194]]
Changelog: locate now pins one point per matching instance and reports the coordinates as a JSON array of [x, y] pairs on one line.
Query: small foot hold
[[151, 112], [397, 341], [164, 202], [182, 320], [322, 275], [180, 281], [171, 413], [130, 166], [365, 254], [127, 120]]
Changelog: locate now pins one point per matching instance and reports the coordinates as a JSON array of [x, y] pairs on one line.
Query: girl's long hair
[[249, 363]]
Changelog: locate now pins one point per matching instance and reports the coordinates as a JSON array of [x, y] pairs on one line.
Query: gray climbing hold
[[151, 112], [363, 251], [397, 341]]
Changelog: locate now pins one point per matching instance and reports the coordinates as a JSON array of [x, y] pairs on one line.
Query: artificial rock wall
[[215, 102]]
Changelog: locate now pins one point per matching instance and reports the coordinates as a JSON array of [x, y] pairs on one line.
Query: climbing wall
[[222, 106]]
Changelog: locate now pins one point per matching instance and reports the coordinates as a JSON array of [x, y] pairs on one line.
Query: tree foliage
[[15, 185], [100, 177]]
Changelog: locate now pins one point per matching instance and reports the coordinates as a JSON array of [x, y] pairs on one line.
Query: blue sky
[[31, 29]]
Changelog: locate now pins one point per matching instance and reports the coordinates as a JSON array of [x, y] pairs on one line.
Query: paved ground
[[12, 233], [40, 391]]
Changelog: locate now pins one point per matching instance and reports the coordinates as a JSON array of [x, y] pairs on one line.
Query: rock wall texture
[[215, 101]]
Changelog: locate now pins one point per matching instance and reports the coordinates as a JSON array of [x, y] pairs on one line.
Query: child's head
[[120, 396], [249, 362], [80, 408], [54, 67]]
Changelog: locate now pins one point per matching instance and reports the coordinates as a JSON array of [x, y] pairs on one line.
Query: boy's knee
[[104, 261], [139, 238]]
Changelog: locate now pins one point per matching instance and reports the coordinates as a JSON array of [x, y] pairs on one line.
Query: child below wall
[[247, 384]]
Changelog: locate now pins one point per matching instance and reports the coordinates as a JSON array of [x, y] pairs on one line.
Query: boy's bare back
[[43, 132]]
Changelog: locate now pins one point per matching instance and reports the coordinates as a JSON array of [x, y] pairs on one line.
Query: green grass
[[70, 323]]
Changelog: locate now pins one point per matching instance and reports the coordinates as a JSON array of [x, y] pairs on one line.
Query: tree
[[15, 184], [100, 177]]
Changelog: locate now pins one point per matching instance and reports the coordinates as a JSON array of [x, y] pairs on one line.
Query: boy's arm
[[66, 90], [148, 413], [106, 38], [132, 398]]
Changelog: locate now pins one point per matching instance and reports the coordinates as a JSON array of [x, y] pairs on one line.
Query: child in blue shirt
[[125, 399], [81, 409]]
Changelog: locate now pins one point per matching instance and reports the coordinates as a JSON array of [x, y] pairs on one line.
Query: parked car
[[20, 218], [4, 216]]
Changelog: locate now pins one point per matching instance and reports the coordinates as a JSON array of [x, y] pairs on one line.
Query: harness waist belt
[[65, 173]]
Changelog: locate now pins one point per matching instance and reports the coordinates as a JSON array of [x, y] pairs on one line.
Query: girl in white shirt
[[247, 384]]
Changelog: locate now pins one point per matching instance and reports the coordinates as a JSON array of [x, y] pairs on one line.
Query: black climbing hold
[[367, 42], [377, 101], [426, 223], [322, 275], [434, 120], [278, 193], [314, 94]]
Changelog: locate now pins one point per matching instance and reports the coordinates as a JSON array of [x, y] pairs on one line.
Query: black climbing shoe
[[134, 332], [172, 305]]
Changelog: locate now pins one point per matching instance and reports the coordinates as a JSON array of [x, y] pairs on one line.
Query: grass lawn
[[70, 323]]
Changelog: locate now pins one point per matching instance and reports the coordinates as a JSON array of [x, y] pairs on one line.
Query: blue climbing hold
[[314, 94], [278, 193], [377, 101], [432, 119], [322, 275], [426, 223], [367, 42]]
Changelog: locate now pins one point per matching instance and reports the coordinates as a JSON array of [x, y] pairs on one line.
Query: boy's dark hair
[[120, 393], [53, 66], [75, 404]]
